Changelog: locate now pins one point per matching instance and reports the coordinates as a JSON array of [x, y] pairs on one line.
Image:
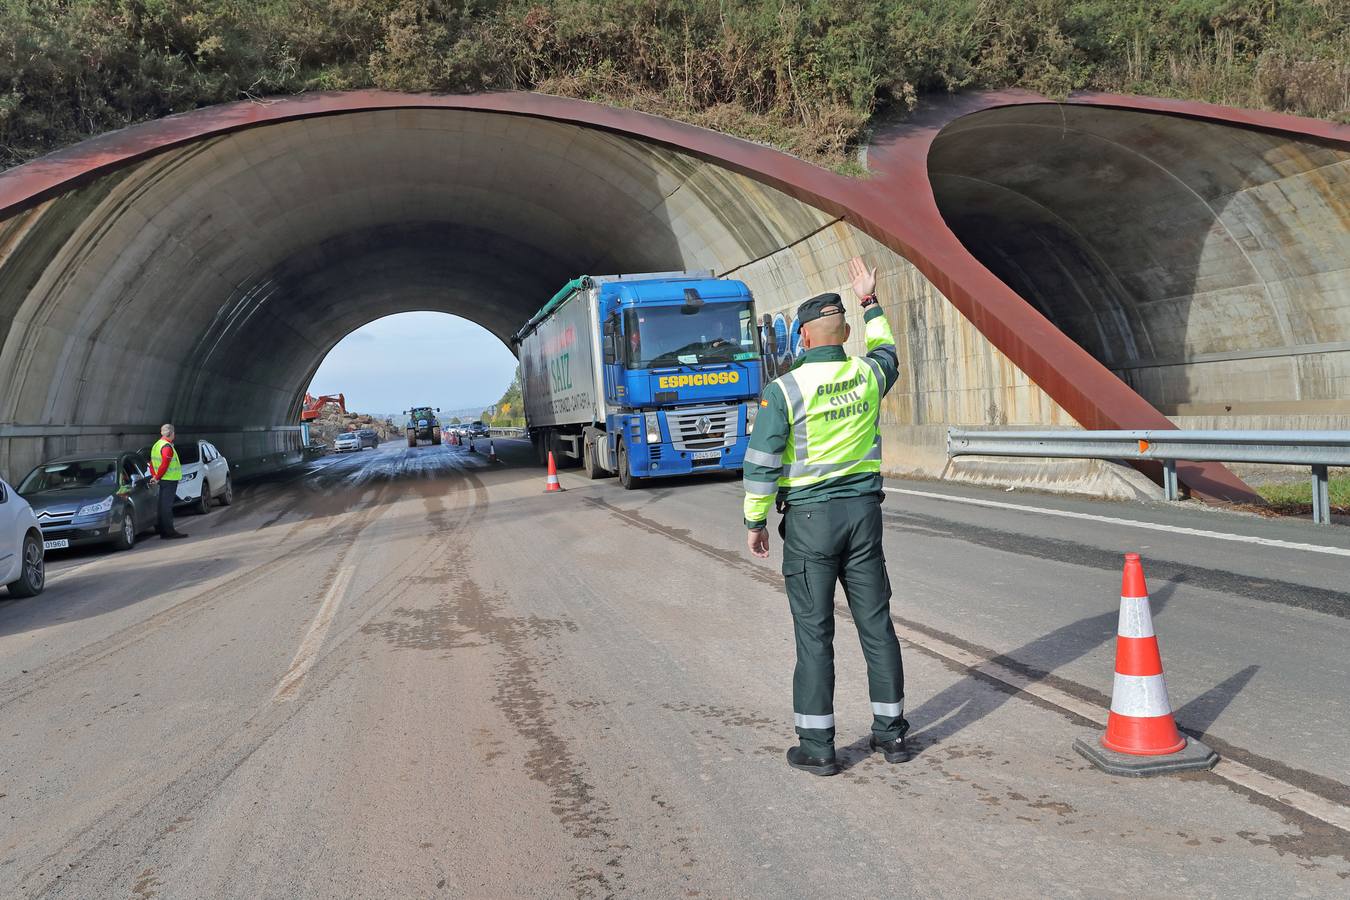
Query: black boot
[[816, 765], [895, 751]]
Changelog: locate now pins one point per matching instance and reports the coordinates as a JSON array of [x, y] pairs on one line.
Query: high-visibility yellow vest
[[833, 410], [175, 471]]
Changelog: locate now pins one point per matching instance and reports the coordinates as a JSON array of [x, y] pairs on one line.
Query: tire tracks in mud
[[18, 688], [37, 679], [471, 616], [216, 761]]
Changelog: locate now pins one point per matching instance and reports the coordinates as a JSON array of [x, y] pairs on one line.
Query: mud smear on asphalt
[[529, 708], [466, 616]]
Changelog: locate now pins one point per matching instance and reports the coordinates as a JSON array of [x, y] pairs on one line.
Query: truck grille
[[705, 428]]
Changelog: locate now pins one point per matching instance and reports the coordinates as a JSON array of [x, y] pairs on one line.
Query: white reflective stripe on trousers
[[814, 721], [1135, 619], [1139, 696], [888, 709]]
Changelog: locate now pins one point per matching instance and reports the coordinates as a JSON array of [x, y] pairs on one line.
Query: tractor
[[423, 425]]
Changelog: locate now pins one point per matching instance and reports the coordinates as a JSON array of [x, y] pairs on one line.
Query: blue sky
[[418, 358]]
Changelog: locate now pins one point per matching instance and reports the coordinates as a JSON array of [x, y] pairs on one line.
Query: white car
[[22, 567], [348, 440], [206, 475]]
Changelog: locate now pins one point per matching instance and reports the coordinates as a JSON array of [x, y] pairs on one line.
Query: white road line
[[1150, 526], [1235, 772], [318, 630]]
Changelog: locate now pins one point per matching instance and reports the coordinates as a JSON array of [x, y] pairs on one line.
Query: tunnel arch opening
[[420, 357], [1178, 252]]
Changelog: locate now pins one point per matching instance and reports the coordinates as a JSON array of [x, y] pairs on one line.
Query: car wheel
[[227, 495], [203, 504], [125, 538], [33, 574], [625, 471]]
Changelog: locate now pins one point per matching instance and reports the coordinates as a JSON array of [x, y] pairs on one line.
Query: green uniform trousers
[[839, 540]]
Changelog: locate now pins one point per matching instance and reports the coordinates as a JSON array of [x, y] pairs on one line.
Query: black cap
[[819, 306]]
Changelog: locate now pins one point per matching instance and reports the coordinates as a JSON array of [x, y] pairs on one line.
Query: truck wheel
[[203, 504], [626, 477], [33, 574], [588, 461], [412, 439]]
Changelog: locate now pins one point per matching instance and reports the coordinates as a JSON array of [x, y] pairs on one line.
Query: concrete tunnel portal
[[199, 268]]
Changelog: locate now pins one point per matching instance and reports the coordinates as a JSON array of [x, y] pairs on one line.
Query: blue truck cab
[[676, 367]]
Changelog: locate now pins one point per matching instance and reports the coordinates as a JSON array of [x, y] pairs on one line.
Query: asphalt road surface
[[410, 673]]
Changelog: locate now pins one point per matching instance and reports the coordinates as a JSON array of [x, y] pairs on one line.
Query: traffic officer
[[166, 471], [816, 449]]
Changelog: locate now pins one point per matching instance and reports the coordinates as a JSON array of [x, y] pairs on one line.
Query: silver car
[[22, 559]]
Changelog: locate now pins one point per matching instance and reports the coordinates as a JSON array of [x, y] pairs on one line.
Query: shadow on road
[[79, 596], [969, 700], [1197, 716]]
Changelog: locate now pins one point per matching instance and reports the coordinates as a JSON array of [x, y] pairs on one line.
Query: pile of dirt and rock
[[332, 421]]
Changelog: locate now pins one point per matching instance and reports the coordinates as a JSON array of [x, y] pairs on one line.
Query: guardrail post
[[1321, 496], [1171, 491]]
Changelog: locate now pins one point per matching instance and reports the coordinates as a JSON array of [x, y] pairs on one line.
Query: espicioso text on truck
[[643, 375]]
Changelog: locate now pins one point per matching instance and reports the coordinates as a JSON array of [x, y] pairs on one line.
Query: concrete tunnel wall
[[206, 283], [199, 268], [1208, 266]]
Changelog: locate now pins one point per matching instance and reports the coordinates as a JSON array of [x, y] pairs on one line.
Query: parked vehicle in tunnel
[[23, 568], [206, 475], [82, 500], [423, 425], [643, 375]]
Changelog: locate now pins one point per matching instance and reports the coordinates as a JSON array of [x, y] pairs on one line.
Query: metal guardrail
[[1316, 449]]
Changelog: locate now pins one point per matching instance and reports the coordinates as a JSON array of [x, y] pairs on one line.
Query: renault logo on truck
[[704, 424]]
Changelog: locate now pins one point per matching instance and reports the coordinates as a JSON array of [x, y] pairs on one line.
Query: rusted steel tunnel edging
[[896, 207]]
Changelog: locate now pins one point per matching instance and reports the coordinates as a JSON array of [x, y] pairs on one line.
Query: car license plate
[[708, 454], [58, 544]]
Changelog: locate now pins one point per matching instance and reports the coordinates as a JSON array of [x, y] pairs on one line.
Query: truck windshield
[[657, 336]]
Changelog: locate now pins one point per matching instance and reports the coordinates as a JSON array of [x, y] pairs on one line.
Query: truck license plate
[[59, 544], [708, 454]]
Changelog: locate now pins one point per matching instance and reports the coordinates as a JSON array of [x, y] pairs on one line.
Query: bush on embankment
[[805, 76]]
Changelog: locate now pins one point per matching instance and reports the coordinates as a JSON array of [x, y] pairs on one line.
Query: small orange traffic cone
[[552, 484], [492, 451], [1141, 734]]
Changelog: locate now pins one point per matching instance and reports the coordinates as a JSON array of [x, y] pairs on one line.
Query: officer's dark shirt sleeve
[[764, 456], [881, 347]]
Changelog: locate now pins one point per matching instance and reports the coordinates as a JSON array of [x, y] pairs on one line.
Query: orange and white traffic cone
[[492, 450], [1141, 734], [552, 484]]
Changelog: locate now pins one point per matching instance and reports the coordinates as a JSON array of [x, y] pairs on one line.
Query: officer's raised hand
[[758, 541], [864, 279]]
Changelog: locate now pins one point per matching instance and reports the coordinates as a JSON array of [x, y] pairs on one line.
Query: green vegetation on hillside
[[509, 412], [804, 75]]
